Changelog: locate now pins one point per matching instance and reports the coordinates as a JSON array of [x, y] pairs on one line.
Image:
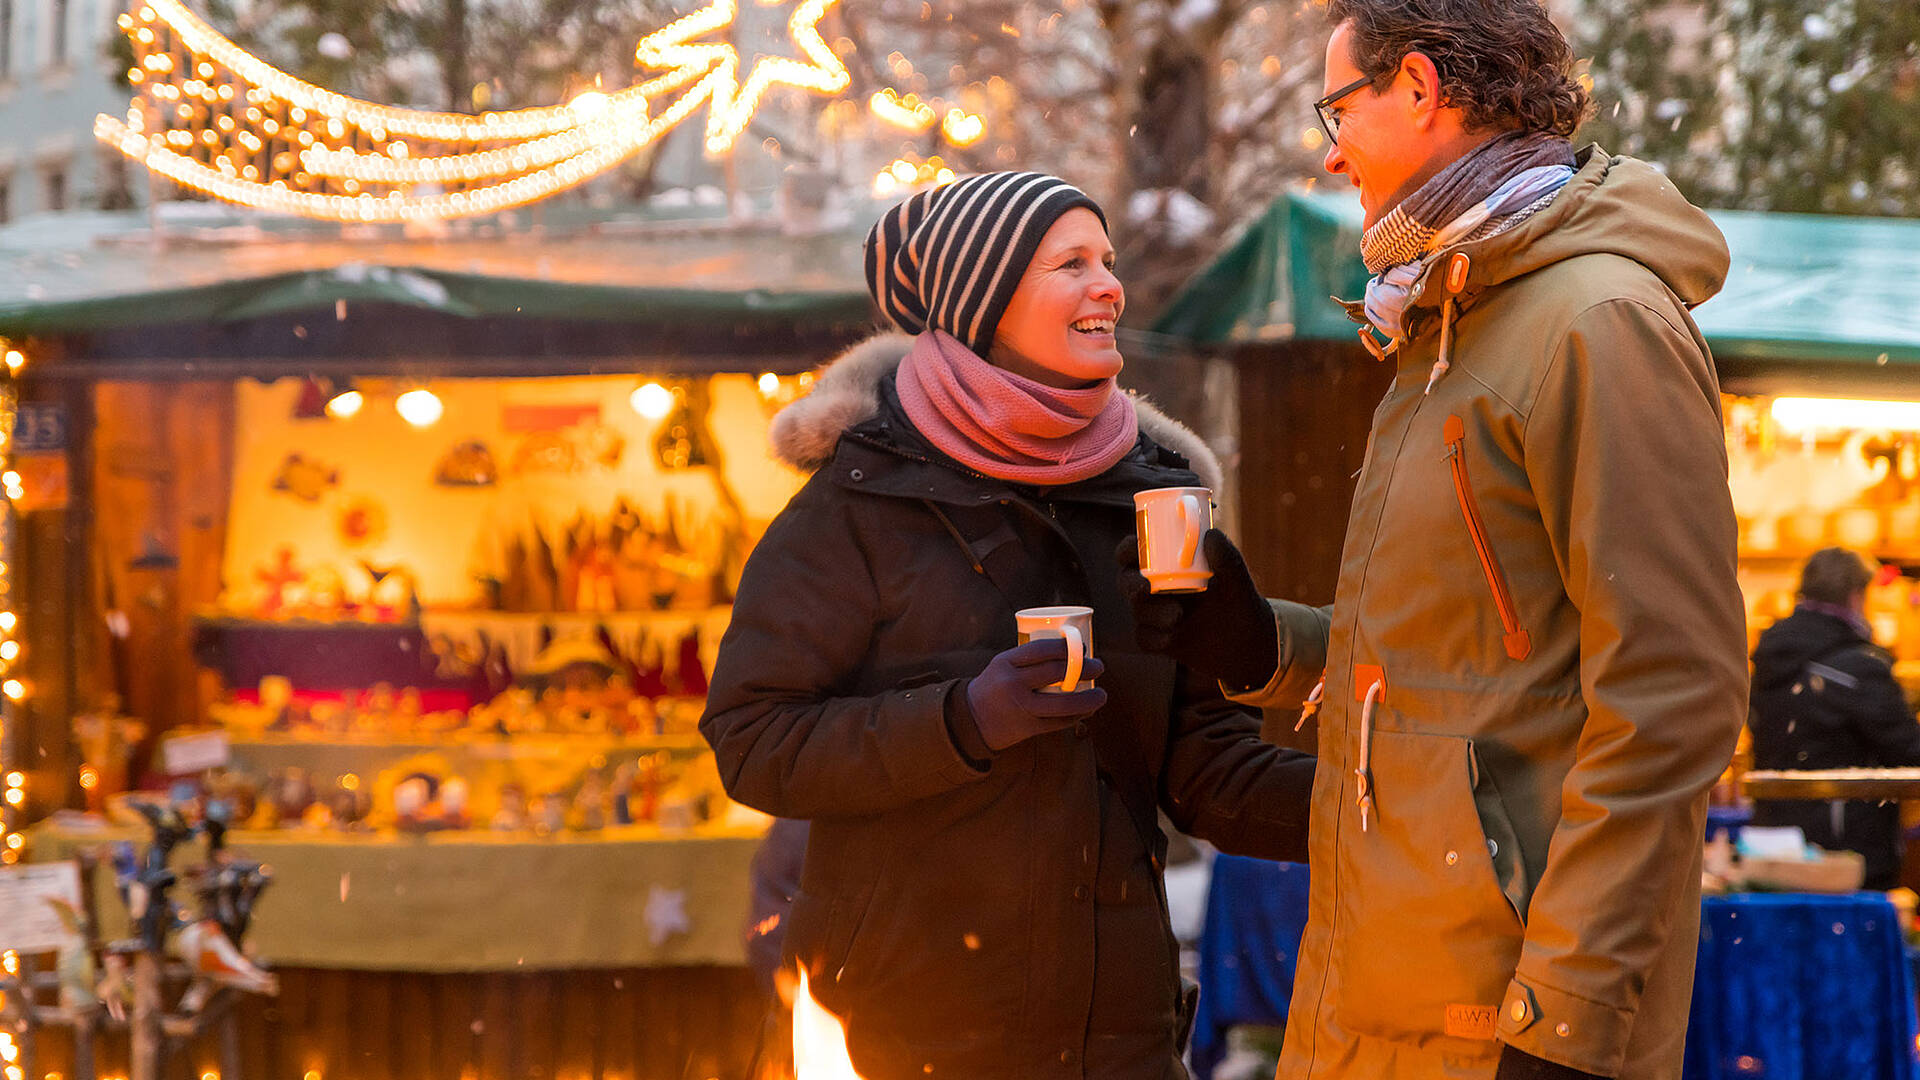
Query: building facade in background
[[58, 69]]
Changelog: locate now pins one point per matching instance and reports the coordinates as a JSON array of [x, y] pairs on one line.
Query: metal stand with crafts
[[176, 979]]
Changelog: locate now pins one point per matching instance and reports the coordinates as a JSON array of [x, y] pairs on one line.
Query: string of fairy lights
[[13, 690], [212, 117]]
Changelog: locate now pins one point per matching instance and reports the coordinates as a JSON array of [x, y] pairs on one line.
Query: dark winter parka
[[1824, 697], [969, 918]]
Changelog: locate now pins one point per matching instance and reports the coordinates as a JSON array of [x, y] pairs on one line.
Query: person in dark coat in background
[[982, 894], [1824, 697], [775, 876]]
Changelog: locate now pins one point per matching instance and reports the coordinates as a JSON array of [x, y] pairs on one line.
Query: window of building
[[60, 32], [115, 187], [56, 188], [6, 39]]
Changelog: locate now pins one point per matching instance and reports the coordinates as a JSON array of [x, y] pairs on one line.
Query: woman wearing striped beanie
[[982, 895]]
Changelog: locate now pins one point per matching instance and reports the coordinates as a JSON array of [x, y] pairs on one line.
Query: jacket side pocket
[[1503, 840], [1424, 928], [1514, 637]]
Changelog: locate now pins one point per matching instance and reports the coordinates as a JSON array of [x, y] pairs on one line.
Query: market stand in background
[[429, 545]]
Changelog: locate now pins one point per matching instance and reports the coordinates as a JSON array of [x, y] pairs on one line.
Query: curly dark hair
[[1503, 62]]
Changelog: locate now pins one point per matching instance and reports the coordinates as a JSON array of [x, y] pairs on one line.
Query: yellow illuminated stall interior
[[487, 604], [1812, 472]]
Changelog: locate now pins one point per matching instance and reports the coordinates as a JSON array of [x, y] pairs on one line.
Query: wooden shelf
[[1888, 784], [1796, 557]]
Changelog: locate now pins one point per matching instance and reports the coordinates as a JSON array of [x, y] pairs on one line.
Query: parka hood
[[1613, 205], [847, 392]]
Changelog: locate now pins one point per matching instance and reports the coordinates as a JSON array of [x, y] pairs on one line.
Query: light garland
[[13, 784], [734, 104], [962, 128], [906, 175], [907, 114], [210, 116]]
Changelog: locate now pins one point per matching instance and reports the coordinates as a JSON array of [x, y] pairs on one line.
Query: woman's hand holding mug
[[1018, 695], [1168, 523], [1227, 631]]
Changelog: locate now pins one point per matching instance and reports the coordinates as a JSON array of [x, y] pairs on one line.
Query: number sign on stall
[[40, 427]]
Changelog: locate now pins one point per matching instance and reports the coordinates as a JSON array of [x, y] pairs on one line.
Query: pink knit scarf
[[1008, 426]]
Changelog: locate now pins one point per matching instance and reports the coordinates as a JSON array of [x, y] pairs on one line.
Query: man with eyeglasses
[[1533, 669]]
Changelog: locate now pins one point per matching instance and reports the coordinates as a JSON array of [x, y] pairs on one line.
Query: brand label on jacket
[[1472, 1021]]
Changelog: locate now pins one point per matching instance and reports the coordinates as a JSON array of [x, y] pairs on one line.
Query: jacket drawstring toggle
[[1363, 796], [1371, 340], [1456, 280], [1312, 704]]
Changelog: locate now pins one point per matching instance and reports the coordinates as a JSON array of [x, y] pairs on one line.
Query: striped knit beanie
[[950, 257]]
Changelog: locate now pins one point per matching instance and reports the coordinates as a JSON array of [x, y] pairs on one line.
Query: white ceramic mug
[[1075, 624], [1169, 523]]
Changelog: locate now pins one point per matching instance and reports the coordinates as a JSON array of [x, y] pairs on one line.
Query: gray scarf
[[1407, 231]]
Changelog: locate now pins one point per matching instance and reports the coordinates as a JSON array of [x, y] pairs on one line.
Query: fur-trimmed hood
[[847, 391]]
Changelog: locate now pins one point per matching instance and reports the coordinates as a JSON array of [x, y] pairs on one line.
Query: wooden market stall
[[1815, 307], [452, 646]]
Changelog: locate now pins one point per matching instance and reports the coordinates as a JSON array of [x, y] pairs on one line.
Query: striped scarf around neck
[[1491, 189]]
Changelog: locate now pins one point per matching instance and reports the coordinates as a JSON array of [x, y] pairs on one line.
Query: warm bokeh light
[[652, 401], [1804, 414], [421, 407], [346, 405]]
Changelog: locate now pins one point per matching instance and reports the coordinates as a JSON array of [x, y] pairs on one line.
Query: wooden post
[[231, 1059], [84, 1033], [147, 1009]]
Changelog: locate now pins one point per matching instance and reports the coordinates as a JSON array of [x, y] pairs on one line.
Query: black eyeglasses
[[1330, 123]]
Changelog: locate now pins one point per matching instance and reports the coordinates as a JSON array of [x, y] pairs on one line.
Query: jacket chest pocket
[[1426, 934], [1514, 637]]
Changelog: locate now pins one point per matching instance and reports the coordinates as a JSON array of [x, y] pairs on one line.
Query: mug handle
[[1190, 521], [1076, 653]]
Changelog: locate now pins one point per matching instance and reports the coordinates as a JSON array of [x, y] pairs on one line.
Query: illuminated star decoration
[[211, 116], [717, 66]]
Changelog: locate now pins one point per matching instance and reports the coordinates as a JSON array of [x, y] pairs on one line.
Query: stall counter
[[626, 897]]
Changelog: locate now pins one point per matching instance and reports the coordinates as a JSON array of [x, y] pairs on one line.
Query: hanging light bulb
[[652, 401], [346, 402], [419, 407]]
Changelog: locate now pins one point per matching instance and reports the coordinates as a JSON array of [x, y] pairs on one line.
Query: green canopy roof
[[1802, 286], [611, 273]]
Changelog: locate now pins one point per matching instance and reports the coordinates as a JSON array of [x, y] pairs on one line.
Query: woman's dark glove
[[1007, 704], [1520, 1065], [1227, 631]]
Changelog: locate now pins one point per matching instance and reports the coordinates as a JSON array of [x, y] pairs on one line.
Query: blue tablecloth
[[1789, 986], [1797, 987], [1255, 912]]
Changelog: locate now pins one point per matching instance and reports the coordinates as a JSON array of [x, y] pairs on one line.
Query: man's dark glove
[[1520, 1065], [1007, 702], [1227, 631]]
